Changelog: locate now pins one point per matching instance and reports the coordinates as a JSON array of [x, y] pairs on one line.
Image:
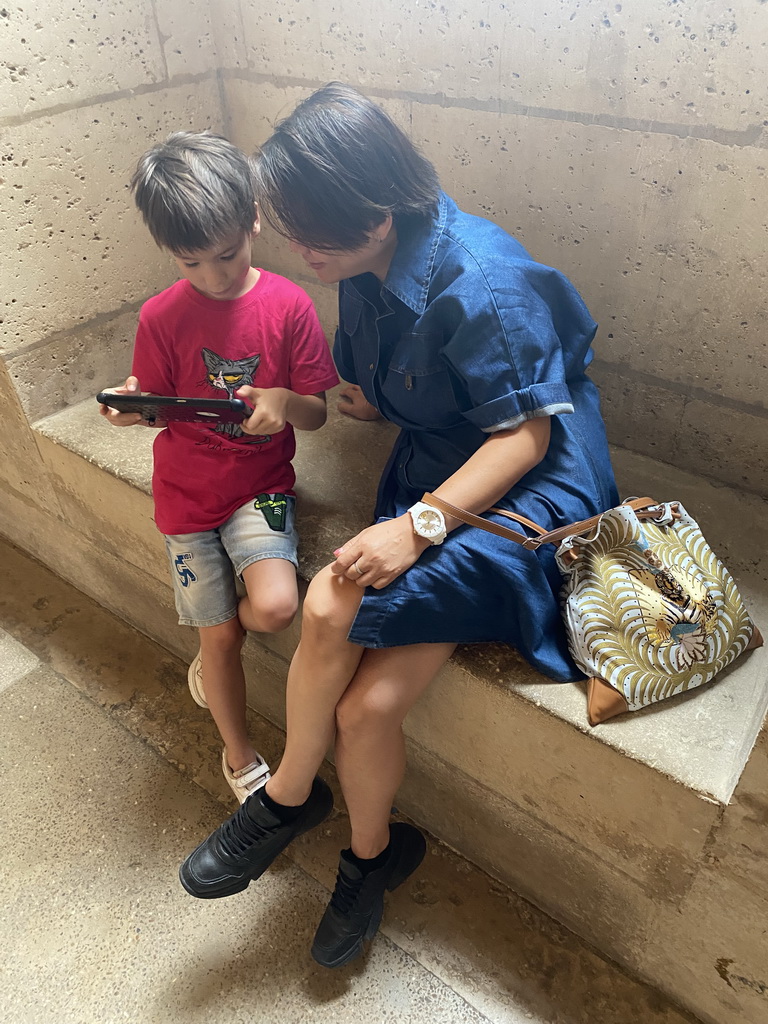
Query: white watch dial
[[430, 523]]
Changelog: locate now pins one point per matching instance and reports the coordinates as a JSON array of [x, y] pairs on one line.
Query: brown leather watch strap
[[531, 543]]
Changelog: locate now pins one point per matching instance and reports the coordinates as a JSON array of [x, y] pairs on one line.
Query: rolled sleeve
[[508, 360], [510, 410]]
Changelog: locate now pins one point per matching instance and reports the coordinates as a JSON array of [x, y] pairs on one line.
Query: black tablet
[[158, 407]]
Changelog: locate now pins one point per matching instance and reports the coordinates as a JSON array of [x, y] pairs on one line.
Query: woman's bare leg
[[320, 672], [370, 749]]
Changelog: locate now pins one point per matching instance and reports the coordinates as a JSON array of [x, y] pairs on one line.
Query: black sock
[[368, 864], [284, 812]]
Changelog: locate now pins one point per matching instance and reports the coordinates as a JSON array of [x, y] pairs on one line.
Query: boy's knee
[[227, 636], [274, 615]]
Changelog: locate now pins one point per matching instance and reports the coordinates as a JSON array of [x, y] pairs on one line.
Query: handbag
[[649, 609]]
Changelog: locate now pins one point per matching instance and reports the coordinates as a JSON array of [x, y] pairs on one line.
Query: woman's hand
[[352, 402], [380, 553]]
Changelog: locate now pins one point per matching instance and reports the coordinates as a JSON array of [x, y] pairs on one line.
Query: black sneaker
[[241, 849], [354, 913]]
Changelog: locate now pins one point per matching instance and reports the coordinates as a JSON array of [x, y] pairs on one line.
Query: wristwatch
[[428, 522]]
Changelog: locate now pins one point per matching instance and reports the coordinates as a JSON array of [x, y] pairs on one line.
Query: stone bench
[[608, 829]]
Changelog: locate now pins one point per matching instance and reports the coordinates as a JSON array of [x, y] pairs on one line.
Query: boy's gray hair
[[194, 191]]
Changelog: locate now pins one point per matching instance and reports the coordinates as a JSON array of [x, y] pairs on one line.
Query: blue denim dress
[[466, 336]]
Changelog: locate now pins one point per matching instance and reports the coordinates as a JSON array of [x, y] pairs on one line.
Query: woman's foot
[[242, 849], [354, 913], [247, 780]]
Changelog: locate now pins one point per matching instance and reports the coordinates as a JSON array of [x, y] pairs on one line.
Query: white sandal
[[195, 680], [246, 780]]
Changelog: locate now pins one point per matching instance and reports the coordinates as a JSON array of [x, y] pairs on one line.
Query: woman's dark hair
[[194, 191], [336, 167]]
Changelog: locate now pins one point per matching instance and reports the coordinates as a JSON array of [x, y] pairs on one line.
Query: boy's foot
[[195, 680], [246, 780], [241, 849], [357, 903]]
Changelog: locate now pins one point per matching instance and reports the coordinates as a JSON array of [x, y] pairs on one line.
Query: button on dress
[[467, 336]]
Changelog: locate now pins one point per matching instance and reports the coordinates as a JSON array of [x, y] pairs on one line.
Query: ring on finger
[[358, 570]]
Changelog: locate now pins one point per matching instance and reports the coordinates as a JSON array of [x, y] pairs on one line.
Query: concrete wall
[[621, 142], [84, 90]]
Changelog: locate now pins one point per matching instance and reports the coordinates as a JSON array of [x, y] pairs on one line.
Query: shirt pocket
[[350, 309], [418, 386]]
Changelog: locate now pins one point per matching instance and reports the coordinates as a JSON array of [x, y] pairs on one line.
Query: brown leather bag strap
[[484, 524], [531, 543], [584, 525], [520, 519]]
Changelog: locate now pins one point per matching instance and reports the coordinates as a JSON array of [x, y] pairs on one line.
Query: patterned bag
[[649, 608]]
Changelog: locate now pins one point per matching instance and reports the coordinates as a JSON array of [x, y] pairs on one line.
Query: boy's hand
[[270, 406], [352, 402], [126, 419]]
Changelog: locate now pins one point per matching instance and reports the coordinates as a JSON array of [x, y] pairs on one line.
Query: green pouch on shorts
[[273, 507]]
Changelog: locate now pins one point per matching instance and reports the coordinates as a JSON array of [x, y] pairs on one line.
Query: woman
[[450, 330]]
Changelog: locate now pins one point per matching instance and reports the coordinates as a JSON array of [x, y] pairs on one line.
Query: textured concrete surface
[[72, 366], [634, 162], [101, 820], [99, 49], [607, 843], [660, 231], [656, 144], [624, 146], [677, 65], [16, 659], [21, 467], [337, 467], [76, 246]]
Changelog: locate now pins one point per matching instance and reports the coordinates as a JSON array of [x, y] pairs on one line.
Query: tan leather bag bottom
[[603, 702]]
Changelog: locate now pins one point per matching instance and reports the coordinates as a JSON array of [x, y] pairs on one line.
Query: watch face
[[430, 523]]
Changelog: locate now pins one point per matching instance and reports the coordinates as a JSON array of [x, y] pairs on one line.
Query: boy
[[223, 494]]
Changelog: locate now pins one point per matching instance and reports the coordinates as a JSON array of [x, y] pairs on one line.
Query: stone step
[[112, 720], [599, 827]]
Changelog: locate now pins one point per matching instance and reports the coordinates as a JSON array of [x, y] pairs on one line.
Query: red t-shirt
[[191, 346]]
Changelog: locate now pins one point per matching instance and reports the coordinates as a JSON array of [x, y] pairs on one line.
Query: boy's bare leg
[[273, 582], [320, 672], [370, 748], [224, 685], [273, 596]]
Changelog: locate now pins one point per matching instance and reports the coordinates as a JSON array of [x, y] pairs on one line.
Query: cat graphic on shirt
[[229, 375]]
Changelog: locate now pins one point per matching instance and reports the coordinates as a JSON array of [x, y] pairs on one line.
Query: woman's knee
[[330, 606], [365, 711]]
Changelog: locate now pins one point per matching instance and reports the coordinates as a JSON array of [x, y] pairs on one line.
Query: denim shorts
[[207, 567]]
